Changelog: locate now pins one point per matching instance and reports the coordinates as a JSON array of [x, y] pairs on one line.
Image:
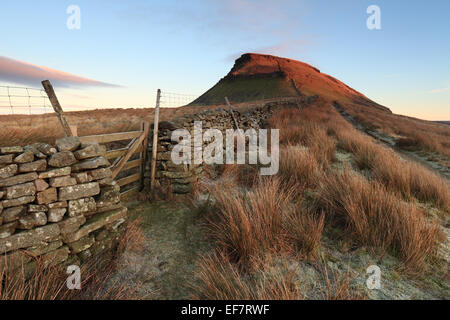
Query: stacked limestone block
[[179, 179], [58, 203]]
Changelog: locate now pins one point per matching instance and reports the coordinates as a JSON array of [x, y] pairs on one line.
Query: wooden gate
[[123, 159]]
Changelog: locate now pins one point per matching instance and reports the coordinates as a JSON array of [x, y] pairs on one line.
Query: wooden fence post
[[145, 129], [231, 112], [57, 107], [74, 130], [155, 142]]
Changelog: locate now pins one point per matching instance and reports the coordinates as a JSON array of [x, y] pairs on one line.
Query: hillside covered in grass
[[257, 76]]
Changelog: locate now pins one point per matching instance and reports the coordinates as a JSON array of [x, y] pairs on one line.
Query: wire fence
[[173, 100], [29, 101], [23, 100]]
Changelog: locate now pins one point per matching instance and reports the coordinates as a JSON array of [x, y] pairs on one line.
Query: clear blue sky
[[187, 46]]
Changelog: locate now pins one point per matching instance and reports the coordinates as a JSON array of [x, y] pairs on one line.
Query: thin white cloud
[[440, 90], [25, 73]]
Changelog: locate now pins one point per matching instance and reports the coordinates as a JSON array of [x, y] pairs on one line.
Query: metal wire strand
[[18, 100]]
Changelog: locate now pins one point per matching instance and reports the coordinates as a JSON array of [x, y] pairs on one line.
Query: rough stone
[[80, 206], [114, 226], [56, 215], [40, 185], [164, 156], [90, 151], [17, 202], [63, 181], [13, 213], [99, 247], [32, 220], [93, 163], [82, 177], [85, 255], [19, 179], [29, 238], [6, 159], [108, 208], [56, 257], [20, 190], [100, 173], [106, 182], [70, 225], [39, 165], [7, 230], [37, 208], [82, 244], [47, 196], [35, 151], [68, 143], [79, 191], [57, 205], [95, 223], [185, 180], [181, 188], [62, 159], [8, 171], [45, 247], [45, 148], [55, 173], [15, 149], [175, 175], [25, 157], [109, 195], [101, 234]]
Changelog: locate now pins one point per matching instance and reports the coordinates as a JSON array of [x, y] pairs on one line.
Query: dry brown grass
[[338, 287], [370, 210], [304, 231], [48, 282], [250, 224], [269, 219], [375, 217], [132, 238], [241, 174], [410, 179], [44, 281], [303, 127], [219, 279], [413, 133], [299, 166]]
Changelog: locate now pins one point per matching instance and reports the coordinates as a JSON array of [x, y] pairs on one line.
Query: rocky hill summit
[[260, 76]]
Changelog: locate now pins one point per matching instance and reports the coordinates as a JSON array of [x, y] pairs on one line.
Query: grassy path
[[174, 241]]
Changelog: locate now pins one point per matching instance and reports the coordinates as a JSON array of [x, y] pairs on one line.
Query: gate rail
[[122, 156]]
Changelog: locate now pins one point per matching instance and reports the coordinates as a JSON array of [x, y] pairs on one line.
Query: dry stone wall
[[57, 203], [180, 179]]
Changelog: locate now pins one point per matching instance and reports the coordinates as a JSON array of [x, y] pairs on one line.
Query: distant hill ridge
[[260, 76]]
